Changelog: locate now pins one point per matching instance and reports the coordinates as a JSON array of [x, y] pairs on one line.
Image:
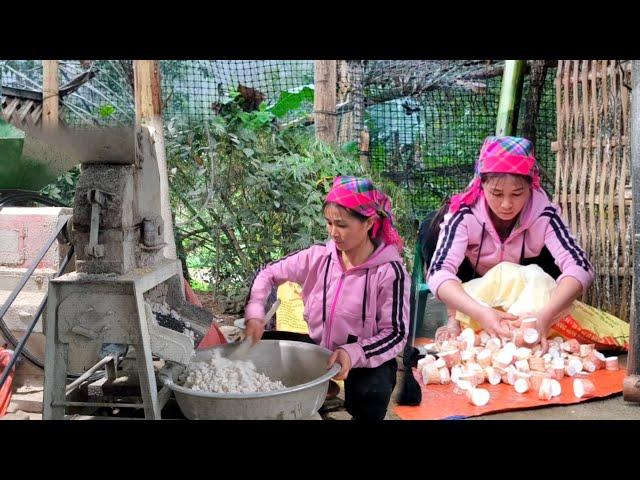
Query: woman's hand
[[254, 328], [450, 331], [342, 357], [494, 322], [543, 325]]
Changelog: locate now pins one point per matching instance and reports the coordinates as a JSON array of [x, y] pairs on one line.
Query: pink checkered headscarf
[[499, 155], [360, 195]]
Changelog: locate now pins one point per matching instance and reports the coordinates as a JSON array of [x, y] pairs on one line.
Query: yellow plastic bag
[[587, 324], [289, 316], [519, 289]]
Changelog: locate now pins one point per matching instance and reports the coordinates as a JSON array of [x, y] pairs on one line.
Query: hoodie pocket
[[348, 328]]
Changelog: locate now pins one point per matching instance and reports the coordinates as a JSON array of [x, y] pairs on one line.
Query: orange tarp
[[439, 402]]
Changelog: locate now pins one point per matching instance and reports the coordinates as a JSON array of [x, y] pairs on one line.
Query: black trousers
[[367, 390]]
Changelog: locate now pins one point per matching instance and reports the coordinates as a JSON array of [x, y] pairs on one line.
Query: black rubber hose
[[26, 196]]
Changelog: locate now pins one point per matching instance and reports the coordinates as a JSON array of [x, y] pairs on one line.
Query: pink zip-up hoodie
[[364, 310], [539, 225]]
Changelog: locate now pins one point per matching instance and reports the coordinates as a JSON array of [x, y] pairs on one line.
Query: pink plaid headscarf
[[499, 155], [360, 195]]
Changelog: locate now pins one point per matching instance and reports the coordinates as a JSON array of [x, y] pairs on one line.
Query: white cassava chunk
[[583, 388], [556, 388], [522, 353], [478, 396], [521, 385]]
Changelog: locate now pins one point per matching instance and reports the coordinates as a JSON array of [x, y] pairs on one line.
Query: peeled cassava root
[[473, 359]]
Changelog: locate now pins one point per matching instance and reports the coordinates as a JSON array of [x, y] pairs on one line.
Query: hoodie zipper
[[337, 295], [333, 309]]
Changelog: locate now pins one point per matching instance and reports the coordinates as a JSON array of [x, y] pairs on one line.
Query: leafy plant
[[64, 187], [246, 192], [106, 110]]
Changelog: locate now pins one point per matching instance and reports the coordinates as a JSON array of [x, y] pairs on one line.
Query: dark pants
[[367, 390]]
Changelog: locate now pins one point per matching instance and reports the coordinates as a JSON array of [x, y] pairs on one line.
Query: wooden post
[[510, 95], [50, 99], [146, 74], [631, 384], [148, 103], [324, 101], [364, 149]]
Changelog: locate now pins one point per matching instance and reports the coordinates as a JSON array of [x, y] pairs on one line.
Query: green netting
[[425, 124], [193, 88], [428, 142]]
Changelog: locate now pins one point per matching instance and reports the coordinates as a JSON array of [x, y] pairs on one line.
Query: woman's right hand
[[254, 328], [494, 322]]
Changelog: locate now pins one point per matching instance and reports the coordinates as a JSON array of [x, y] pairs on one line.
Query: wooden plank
[[574, 169], [597, 158], [364, 149], [24, 111], [628, 258], [564, 180], [586, 133], [36, 114], [605, 88], [12, 105], [21, 93], [622, 211], [559, 130], [50, 98], [605, 179], [614, 234], [633, 359], [147, 91], [590, 144], [148, 103], [325, 100], [602, 248]]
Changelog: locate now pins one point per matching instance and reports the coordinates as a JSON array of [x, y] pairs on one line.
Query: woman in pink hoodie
[[355, 290], [505, 215]]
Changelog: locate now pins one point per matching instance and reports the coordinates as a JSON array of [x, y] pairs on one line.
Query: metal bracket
[[98, 200]]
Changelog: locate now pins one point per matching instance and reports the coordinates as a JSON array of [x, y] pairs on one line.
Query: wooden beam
[[631, 384], [146, 78], [364, 149], [148, 103], [324, 101], [50, 98]]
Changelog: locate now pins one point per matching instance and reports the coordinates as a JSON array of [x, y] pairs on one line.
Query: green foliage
[[64, 187], [106, 110], [291, 100], [265, 189], [199, 286], [17, 170]]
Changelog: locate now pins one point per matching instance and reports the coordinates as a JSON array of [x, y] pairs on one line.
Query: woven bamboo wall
[[593, 174]]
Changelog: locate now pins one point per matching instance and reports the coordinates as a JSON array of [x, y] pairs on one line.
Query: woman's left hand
[[342, 357]]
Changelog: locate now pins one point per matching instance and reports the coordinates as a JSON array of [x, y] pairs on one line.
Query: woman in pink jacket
[[355, 290], [505, 215]]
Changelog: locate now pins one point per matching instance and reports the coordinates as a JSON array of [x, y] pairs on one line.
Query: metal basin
[[301, 367]]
